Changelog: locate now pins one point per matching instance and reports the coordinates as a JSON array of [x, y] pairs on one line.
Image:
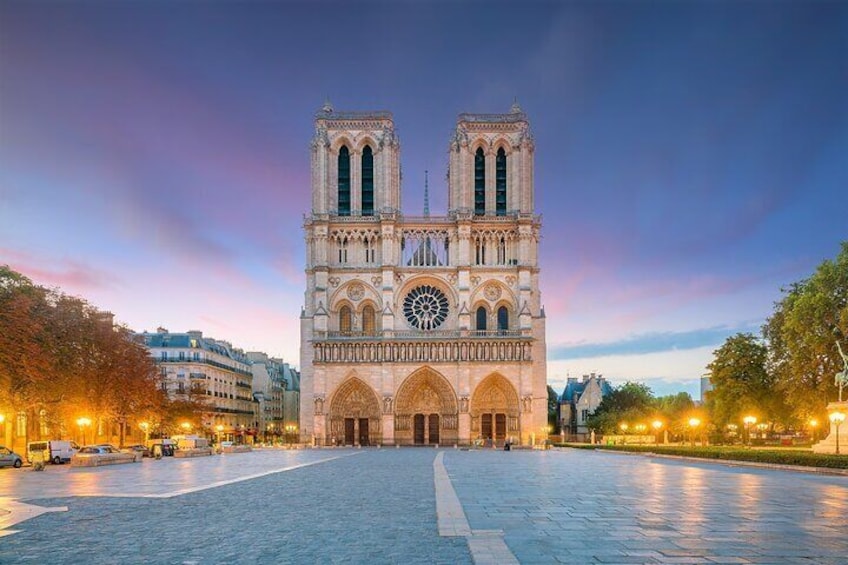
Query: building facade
[[212, 371], [430, 329], [276, 387], [579, 400]]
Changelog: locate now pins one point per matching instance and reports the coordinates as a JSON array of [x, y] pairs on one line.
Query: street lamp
[[814, 424], [657, 425], [83, 423], [186, 426], [145, 427], [694, 423], [749, 421], [623, 427], [762, 427], [836, 418]]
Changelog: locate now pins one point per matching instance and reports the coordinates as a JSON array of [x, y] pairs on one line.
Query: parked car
[[139, 449], [9, 458], [96, 455], [55, 451]]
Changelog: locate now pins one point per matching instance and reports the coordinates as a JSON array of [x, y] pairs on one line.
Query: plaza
[[423, 505]]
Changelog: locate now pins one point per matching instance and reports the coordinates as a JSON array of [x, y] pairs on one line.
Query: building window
[[368, 324], [584, 415], [500, 183], [343, 251], [482, 316], [196, 356], [367, 182], [182, 355], [370, 252], [503, 319], [479, 182], [480, 251], [344, 319], [344, 181]]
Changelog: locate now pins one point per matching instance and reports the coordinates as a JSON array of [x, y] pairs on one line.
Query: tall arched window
[[344, 181], [500, 183], [368, 323], [367, 182], [344, 319], [482, 315], [503, 319], [479, 182]]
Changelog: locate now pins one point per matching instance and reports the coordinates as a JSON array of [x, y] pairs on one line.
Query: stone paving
[[390, 505]]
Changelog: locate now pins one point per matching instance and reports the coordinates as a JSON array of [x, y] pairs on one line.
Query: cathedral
[[422, 330]]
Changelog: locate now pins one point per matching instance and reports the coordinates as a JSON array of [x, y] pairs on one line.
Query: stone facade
[[422, 330], [579, 400]]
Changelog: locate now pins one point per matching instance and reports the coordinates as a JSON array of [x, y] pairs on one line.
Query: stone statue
[[842, 376]]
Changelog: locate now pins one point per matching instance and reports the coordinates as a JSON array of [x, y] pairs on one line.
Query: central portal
[[426, 410]]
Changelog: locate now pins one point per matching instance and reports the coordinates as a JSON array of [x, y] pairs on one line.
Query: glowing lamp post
[[813, 425], [657, 425], [145, 427], [186, 426], [694, 423], [748, 421], [83, 423], [836, 418]]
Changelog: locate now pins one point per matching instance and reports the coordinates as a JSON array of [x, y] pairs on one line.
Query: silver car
[[9, 458]]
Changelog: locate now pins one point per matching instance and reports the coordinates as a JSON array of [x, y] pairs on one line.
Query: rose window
[[425, 307]]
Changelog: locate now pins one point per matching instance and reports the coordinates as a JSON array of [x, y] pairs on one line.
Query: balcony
[[406, 335]]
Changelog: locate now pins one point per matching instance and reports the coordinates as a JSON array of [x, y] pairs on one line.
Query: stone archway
[[425, 410], [495, 410], [355, 416]]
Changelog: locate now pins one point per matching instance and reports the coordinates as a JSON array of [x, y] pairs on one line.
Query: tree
[[553, 409], [742, 383], [630, 402], [674, 411], [61, 358], [802, 334]]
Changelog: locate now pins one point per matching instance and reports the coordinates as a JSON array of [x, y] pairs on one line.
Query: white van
[[55, 451]]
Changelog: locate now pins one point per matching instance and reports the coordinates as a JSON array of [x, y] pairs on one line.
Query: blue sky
[[691, 157]]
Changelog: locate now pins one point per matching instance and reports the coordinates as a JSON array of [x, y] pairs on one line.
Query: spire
[[516, 109], [426, 196]]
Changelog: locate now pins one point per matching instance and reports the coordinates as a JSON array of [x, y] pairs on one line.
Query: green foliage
[[553, 409], [775, 457], [802, 335], [630, 402], [742, 384]]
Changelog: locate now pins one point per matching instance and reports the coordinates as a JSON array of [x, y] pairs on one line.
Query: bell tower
[[355, 163], [491, 165]]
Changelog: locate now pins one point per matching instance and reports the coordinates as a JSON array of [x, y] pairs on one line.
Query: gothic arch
[[361, 292], [505, 297], [353, 402], [426, 392], [494, 398], [369, 140]]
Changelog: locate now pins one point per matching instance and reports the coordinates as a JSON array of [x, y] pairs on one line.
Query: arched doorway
[[355, 417], [495, 410], [425, 410]]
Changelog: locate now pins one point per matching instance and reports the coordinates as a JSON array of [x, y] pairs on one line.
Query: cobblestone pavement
[[575, 506], [379, 506]]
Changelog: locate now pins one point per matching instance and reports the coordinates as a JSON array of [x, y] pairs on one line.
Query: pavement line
[[487, 546], [217, 484], [16, 512]]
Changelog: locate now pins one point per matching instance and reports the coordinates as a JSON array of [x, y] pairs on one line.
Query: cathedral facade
[[422, 330]]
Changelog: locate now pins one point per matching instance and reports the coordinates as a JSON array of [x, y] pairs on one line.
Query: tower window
[[344, 181], [479, 182], [503, 319], [368, 325], [481, 318], [344, 320], [500, 183], [343, 251], [367, 182]]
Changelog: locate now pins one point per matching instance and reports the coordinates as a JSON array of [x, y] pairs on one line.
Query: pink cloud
[[64, 273]]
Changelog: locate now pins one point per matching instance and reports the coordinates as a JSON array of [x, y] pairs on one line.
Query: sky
[[691, 157]]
